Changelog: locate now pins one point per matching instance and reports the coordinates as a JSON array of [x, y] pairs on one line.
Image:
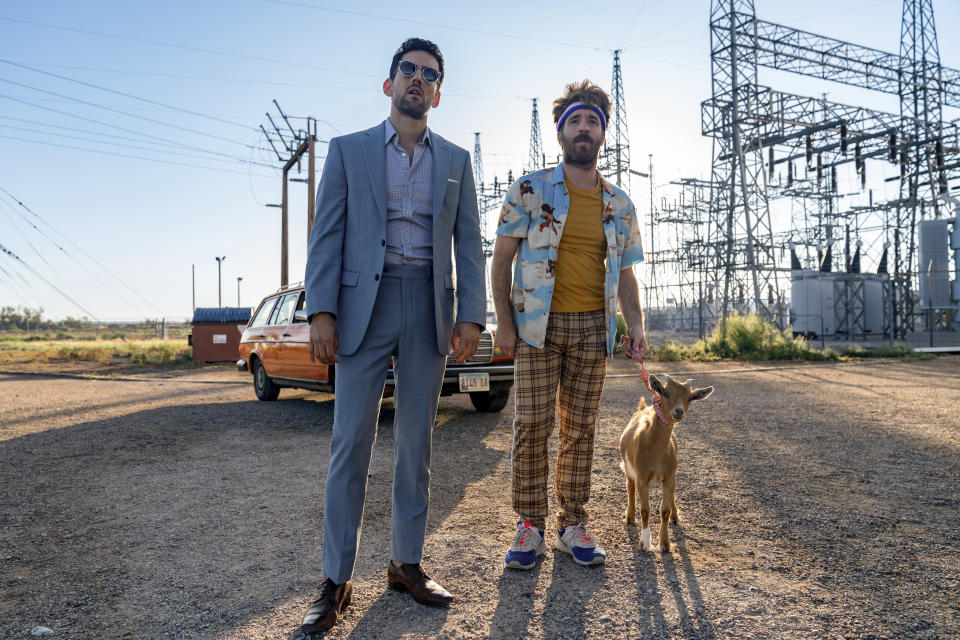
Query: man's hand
[[466, 338], [324, 339], [636, 338], [506, 339]]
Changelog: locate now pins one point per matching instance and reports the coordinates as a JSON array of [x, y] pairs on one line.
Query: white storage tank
[[934, 264], [811, 303], [874, 311]]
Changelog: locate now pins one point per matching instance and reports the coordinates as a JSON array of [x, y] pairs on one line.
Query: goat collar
[[659, 410]]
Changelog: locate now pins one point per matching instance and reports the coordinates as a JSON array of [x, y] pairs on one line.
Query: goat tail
[[642, 404]]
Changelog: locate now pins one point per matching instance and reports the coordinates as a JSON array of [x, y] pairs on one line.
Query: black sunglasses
[[409, 69]]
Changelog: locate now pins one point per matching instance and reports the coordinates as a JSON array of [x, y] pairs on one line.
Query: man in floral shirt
[[578, 240]]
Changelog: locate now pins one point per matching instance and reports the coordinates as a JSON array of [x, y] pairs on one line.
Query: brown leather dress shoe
[[411, 578], [325, 610]]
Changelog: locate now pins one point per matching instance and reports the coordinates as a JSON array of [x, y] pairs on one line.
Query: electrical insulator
[[833, 179], [770, 163], [938, 150], [819, 169], [790, 173], [843, 138], [892, 147], [863, 173], [809, 151], [943, 182]]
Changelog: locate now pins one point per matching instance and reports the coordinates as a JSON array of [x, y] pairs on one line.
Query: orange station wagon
[[273, 348]]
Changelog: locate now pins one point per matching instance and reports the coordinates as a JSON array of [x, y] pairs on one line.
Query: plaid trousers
[[568, 373]]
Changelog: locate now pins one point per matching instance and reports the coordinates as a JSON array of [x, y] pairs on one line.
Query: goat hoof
[[665, 548], [630, 519]]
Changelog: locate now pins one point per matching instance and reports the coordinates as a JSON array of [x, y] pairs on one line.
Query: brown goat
[[648, 453]]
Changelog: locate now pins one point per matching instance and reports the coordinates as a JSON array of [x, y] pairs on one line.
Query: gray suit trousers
[[402, 326]]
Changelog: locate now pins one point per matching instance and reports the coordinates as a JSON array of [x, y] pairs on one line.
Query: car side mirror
[[299, 316]]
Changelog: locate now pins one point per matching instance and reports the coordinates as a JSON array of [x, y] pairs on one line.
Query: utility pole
[[193, 285], [239, 278], [301, 142], [219, 260]]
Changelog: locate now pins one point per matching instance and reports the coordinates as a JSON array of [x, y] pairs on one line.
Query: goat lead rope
[[638, 356]]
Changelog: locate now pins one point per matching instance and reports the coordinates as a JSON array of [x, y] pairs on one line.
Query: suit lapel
[[375, 152], [441, 171]]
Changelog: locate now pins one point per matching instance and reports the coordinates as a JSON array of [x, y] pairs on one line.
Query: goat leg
[[631, 515], [667, 505]]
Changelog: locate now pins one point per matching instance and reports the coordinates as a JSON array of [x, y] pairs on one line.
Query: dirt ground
[[817, 501]]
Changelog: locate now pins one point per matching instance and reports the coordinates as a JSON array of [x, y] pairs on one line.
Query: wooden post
[[284, 270], [311, 187]]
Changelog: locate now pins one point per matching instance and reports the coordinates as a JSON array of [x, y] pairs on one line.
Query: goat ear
[[656, 384], [700, 394]]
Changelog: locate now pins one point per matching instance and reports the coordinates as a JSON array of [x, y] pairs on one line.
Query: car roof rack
[[289, 286]]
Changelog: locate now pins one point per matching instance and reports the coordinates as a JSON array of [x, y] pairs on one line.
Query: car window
[[284, 311], [263, 313], [301, 306]]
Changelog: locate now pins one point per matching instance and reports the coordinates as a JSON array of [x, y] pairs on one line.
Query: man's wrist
[[319, 313]]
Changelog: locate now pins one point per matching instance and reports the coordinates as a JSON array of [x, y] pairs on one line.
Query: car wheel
[[493, 400], [263, 386]]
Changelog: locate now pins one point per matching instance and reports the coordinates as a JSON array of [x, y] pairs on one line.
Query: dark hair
[[416, 44], [585, 92]]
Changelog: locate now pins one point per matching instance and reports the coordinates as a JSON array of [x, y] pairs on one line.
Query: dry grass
[[145, 351]]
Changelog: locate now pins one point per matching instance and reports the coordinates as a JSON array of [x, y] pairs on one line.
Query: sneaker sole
[[585, 563]]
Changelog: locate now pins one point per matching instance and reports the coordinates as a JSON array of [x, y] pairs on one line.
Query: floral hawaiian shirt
[[534, 210]]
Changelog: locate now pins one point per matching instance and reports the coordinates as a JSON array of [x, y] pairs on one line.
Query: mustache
[[583, 137]]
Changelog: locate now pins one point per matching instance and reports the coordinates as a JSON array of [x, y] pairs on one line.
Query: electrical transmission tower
[[488, 196], [616, 156], [537, 159], [811, 138]]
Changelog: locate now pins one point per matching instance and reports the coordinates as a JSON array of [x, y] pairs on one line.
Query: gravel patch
[[815, 501]]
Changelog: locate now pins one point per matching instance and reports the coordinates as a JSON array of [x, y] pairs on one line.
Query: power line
[[100, 122], [122, 112], [225, 157], [185, 47], [17, 258], [125, 155], [421, 23], [122, 93]]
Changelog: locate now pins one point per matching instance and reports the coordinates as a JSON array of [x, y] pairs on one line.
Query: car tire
[[493, 400], [263, 386]]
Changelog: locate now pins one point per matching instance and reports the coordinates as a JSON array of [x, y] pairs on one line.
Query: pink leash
[[638, 356]]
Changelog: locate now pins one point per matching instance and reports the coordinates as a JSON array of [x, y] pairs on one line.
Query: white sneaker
[[578, 542], [527, 545]]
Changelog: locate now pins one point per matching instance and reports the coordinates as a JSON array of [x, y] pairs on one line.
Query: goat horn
[[689, 382]]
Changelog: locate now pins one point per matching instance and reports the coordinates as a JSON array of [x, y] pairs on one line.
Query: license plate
[[470, 382]]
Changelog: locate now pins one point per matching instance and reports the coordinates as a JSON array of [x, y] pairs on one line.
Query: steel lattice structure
[[757, 129], [537, 159], [615, 159]]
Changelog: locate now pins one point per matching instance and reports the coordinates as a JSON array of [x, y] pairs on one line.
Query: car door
[[297, 347], [274, 341]]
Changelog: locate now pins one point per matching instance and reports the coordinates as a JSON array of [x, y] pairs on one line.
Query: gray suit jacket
[[348, 243]]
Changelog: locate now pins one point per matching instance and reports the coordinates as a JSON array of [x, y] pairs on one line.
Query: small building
[[216, 333]]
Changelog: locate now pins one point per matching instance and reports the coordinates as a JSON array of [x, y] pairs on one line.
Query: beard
[[415, 110], [576, 154]]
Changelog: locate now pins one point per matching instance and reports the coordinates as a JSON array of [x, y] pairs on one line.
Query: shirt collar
[[390, 134]]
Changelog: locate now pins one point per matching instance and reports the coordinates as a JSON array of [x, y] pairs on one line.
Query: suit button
[[383, 243], [376, 276]]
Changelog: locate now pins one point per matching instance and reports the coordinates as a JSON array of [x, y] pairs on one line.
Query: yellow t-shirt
[[580, 270]]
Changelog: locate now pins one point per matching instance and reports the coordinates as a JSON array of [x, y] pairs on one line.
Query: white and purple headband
[[581, 105]]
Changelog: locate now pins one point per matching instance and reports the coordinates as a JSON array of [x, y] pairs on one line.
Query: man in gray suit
[[393, 201]]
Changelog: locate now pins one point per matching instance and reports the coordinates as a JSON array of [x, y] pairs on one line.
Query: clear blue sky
[[145, 222]]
